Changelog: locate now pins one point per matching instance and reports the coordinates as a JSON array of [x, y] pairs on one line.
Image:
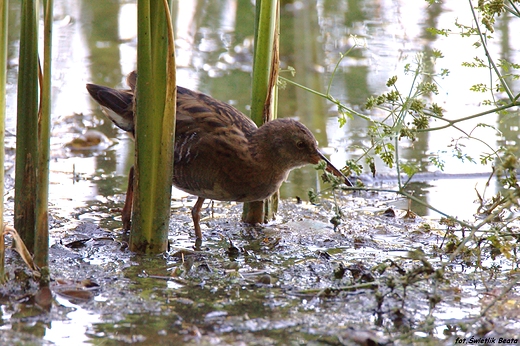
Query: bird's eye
[[300, 144]]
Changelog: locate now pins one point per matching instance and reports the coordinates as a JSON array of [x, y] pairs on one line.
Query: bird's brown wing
[[211, 142]]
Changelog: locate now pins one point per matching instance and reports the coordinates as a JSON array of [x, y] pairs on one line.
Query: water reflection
[[214, 43]]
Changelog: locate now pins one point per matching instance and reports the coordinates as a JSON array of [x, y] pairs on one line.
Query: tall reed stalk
[[27, 126], [263, 98], [3, 80], [155, 127], [41, 247]]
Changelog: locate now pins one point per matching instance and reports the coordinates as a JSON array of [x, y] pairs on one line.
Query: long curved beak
[[330, 168]]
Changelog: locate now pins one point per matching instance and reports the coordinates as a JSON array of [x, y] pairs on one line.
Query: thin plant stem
[[41, 248], [328, 97], [3, 73], [512, 104], [488, 55]]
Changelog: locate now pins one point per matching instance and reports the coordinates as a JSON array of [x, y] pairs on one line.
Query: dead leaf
[[21, 248]]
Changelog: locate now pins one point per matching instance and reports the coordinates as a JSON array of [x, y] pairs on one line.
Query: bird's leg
[[126, 213], [195, 214]]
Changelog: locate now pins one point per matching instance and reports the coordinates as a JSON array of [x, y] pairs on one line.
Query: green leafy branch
[[406, 115]]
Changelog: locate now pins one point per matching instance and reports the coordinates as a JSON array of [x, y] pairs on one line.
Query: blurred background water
[[95, 42]]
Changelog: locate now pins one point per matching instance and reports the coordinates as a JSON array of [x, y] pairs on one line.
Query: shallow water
[[262, 292]]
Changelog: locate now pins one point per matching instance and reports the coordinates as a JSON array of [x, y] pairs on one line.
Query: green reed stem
[[27, 127], [3, 72], [41, 246], [264, 94], [266, 51], [155, 128]]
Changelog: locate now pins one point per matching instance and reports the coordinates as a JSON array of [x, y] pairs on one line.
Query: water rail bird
[[219, 153]]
